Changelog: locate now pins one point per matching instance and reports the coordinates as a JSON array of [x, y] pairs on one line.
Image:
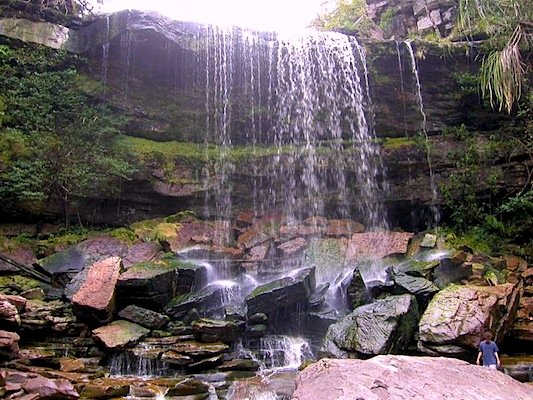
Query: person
[[488, 350]]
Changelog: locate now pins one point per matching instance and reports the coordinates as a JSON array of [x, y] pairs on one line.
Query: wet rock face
[[158, 73]]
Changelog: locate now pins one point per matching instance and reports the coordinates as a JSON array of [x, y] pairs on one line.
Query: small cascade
[[284, 352], [434, 209], [129, 363]]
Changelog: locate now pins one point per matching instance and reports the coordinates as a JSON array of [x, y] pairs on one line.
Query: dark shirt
[[487, 350]]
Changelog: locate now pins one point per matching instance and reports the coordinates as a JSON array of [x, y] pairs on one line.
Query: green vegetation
[[349, 17], [486, 220], [57, 143], [507, 29]]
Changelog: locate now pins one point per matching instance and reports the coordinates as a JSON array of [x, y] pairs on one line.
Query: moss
[[269, 287], [160, 266], [397, 143], [125, 235]]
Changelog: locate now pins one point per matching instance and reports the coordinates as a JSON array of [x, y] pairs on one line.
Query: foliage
[[476, 208], [349, 16], [507, 27], [49, 10], [472, 166], [57, 143]]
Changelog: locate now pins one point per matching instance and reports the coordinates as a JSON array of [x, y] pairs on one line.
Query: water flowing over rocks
[[191, 306], [205, 313], [402, 377]]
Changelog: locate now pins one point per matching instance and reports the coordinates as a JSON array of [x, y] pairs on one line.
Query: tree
[[58, 144]]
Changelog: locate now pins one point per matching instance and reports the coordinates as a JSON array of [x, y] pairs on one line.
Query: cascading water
[[309, 102], [308, 108], [434, 209]]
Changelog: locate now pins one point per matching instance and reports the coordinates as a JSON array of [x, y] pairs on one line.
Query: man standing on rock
[[489, 351]]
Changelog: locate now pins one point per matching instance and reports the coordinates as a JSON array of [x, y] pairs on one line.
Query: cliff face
[[186, 82]]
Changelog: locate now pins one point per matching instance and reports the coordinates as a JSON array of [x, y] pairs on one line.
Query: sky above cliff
[[279, 15]]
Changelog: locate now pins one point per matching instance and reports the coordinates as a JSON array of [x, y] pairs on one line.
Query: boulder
[[152, 284], [282, 293], [44, 388], [142, 316], [9, 315], [385, 326], [119, 334], [459, 315], [208, 302], [211, 330], [373, 245], [139, 252], [95, 300], [9, 344], [403, 377], [452, 270], [420, 287]]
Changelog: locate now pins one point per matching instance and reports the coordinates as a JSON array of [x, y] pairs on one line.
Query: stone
[[452, 270], [186, 387], [397, 377], [119, 334], [282, 292], [142, 316], [9, 315], [105, 389], [460, 314], [207, 302], [45, 33], [292, 247], [139, 252], [152, 284], [60, 389], [343, 227], [9, 344], [385, 326], [374, 245], [212, 331], [429, 240], [422, 288], [95, 300]]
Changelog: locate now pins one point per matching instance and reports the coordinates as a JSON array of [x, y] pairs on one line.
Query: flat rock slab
[[119, 334], [375, 245], [404, 377]]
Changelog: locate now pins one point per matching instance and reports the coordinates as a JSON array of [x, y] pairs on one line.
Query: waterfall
[[307, 109], [105, 56], [284, 351], [414, 69]]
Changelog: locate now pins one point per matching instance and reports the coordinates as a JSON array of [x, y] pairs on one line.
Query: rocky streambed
[[188, 309]]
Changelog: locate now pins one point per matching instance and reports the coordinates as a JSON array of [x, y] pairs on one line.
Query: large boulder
[[208, 302], [385, 326], [404, 377], [152, 284], [282, 293], [458, 315], [95, 301]]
